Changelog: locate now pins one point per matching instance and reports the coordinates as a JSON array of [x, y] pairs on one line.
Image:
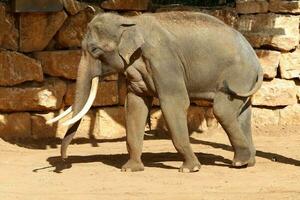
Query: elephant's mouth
[[83, 111]]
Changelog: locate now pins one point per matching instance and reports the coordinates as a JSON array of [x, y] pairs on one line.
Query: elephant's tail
[[260, 78]]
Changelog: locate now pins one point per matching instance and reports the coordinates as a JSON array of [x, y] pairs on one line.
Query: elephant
[[177, 57]]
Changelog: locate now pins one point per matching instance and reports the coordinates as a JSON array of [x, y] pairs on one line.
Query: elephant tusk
[[62, 115], [88, 104], [92, 8]]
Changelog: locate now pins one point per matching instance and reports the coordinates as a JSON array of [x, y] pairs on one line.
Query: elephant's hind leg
[[245, 121], [227, 111], [176, 118]]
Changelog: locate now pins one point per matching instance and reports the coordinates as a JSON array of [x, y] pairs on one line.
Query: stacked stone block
[[272, 28], [40, 52]]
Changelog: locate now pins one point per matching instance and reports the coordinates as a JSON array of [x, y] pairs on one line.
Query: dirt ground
[[93, 170]]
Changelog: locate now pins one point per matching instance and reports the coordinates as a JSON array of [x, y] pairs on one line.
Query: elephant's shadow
[[149, 159], [157, 159]]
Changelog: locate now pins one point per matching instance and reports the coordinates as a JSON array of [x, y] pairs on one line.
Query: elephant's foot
[[188, 167], [132, 166], [243, 158]]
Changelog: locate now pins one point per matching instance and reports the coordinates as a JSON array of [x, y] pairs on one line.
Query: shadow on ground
[[117, 160], [157, 159]]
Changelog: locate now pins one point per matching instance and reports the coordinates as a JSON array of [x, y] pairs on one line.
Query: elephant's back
[[188, 18]]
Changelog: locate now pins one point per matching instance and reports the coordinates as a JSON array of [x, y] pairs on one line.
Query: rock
[[37, 29], [9, 34], [63, 63], [211, 121], [71, 33], [131, 13], [290, 65], [227, 15], [272, 30], [33, 96], [113, 77], [199, 119], [73, 6], [96, 124], [269, 61], [290, 115], [15, 125], [111, 122], [281, 6], [277, 92], [155, 102], [203, 103], [107, 94], [252, 6], [136, 5], [264, 117], [60, 63], [298, 90], [42, 130], [17, 68]]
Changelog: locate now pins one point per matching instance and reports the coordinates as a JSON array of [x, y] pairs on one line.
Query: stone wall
[[39, 54]]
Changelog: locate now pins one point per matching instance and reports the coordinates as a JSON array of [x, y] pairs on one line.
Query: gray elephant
[[177, 57]]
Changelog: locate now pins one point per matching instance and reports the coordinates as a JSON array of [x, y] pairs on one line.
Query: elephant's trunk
[[84, 97]]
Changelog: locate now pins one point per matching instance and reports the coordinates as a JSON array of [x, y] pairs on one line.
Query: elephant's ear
[[131, 40]]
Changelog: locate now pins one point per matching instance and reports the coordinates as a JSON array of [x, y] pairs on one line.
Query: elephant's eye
[[127, 25], [95, 51]]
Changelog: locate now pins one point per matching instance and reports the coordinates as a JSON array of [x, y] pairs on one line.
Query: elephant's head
[[109, 46], [114, 40]]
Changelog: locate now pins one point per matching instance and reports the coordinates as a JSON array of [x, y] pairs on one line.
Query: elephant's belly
[[202, 95]]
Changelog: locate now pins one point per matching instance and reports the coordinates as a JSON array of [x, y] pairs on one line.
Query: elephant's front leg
[[137, 109]]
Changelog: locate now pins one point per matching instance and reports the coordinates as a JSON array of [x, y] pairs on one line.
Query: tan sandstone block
[[71, 33], [107, 94], [60, 63], [63, 63], [137, 5], [57, 130], [290, 115], [278, 31], [97, 123], [111, 122], [252, 6], [17, 68], [33, 96], [9, 34], [199, 119], [269, 61], [15, 125], [277, 92], [203, 103], [264, 116], [281, 6], [73, 6], [42, 130], [298, 89], [37, 29], [290, 65], [227, 15]]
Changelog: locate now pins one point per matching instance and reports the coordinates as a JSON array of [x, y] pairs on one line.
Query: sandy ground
[[93, 170]]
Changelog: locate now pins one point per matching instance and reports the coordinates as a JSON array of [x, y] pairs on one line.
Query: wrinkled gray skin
[[177, 57]]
